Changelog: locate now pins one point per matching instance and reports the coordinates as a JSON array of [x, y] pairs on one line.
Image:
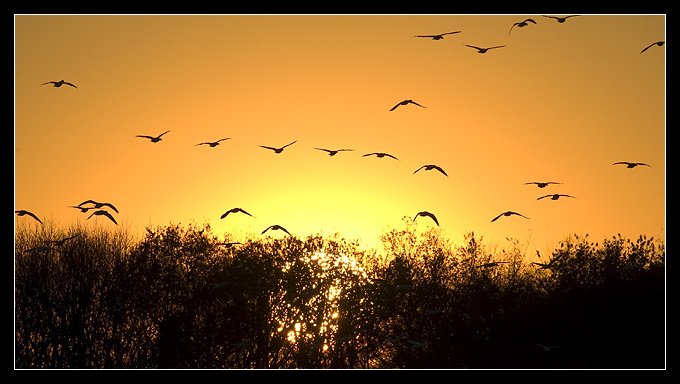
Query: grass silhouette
[[176, 298]]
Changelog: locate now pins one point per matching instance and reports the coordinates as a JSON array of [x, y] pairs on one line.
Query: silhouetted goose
[[41, 248], [23, 212], [62, 241], [630, 165], [544, 266], [97, 205], [508, 213], [438, 37], [214, 143], [426, 214], [154, 139], [483, 50], [554, 196], [276, 227], [430, 167], [542, 184], [659, 43], [102, 212], [82, 209], [59, 83], [333, 152], [235, 210], [278, 150], [380, 155], [405, 102], [492, 264], [230, 244], [522, 24], [560, 19]]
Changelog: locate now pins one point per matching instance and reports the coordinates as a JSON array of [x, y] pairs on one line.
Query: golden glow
[[560, 102]]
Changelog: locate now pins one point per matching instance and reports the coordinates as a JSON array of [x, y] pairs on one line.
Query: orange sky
[[560, 102]]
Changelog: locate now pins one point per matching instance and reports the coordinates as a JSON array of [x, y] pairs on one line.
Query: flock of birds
[[98, 206]]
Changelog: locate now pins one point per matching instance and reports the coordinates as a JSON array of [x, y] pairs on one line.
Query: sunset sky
[[560, 102]]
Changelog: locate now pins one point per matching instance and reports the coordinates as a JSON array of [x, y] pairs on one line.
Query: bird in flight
[[522, 24], [426, 214], [380, 155], [234, 210], [23, 212], [154, 139], [438, 37], [41, 248], [333, 152], [561, 19], [405, 102], [430, 167], [278, 150], [276, 227], [483, 50], [82, 209], [62, 241], [59, 83], [630, 165], [508, 213], [492, 264], [554, 197], [214, 143], [542, 184], [102, 212], [96, 205], [659, 43]]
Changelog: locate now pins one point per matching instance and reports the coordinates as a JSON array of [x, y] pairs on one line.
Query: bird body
[[437, 37], [430, 167], [214, 143], [492, 264], [235, 210], [278, 150], [405, 102], [542, 184], [23, 212], [82, 209], [380, 155], [659, 43], [333, 152], [276, 227], [630, 165], [554, 196], [59, 83], [96, 205], [426, 214], [522, 24], [102, 212], [508, 213], [483, 50], [154, 139], [560, 19]]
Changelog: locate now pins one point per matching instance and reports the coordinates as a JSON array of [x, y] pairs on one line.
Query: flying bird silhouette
[[483, 50], [96, 205], [59, 83], [426, 214], [554, 196], [380, 155], [214, 143], [234, 210], [41, 248], [438, 37], [23, 212], [492, 264], [333, 152], [82, 209], [542, 184], [154, 139], [430, 167], [276, 227], [405, 102], [508, 213], [659, 43], [102, 212], [278, 150], [561, 19], [62, 241], [522, 24], [630, 165]]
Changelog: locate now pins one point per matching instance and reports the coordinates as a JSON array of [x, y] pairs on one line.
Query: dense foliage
[[181, 298]]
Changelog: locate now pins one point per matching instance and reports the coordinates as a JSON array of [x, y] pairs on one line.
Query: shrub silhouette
[[176, 298]]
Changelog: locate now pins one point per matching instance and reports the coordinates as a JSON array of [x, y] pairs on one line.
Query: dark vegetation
[[179, 299]]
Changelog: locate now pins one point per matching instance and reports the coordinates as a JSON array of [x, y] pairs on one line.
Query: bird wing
[[269, 227], [622, 162], [395, 107], [285, 230], [387, 154], [644, 164], [110, 217], [496, 218], [87, 202], [413, 102], [433, 217], [163, 133], [419, 169], [203, 143], [429, 35], [513, 26], [542, 197], [146, 137], [518, 214], [531, 20], [650, 45], [54, 82], [33, 216], [472, 46], [289, 144], [552, 17], [70, 84], [272, 148], [440, 170], [450, 33], [110, 205], [498, 46]]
